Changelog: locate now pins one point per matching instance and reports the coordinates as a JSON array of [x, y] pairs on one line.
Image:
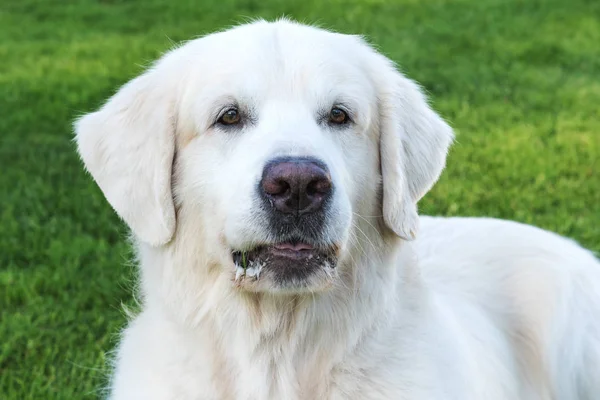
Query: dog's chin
[[288, 267]]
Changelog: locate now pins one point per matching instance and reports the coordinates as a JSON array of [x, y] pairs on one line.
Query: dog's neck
[[285, 338]]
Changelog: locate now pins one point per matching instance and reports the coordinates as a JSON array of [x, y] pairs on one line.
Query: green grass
[[519, 81]]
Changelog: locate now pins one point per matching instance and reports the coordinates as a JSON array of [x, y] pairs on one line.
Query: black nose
[[296, 185]]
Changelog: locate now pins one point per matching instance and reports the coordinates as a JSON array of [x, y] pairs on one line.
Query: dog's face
[[281, 153], [278, 145]]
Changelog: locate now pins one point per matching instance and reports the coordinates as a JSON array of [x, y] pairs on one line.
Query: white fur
[[472, 309]]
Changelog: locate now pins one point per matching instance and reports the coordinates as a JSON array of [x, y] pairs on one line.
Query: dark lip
[[293, 250], [291, 254], [286, 264]]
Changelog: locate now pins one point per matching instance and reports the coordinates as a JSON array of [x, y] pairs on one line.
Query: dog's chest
[[282, 379]]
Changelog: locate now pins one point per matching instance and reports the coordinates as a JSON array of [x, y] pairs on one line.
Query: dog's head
[[275, 147]]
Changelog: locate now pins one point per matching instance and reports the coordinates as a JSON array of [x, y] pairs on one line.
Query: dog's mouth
[[285, 261]]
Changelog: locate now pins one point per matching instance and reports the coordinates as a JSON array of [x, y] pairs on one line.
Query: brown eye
[[338, 116], [230, 117]]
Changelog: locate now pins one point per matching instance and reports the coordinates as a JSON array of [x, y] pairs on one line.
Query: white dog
[[270, 175]]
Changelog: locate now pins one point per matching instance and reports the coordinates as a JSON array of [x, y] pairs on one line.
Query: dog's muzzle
[[295, 195]]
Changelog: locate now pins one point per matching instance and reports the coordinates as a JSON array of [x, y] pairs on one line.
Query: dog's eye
[[338, 116], [230, 117]]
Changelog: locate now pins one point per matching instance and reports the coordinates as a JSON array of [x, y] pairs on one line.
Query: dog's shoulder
[[530, 292]]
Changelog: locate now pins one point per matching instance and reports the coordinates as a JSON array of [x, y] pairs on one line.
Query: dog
[[270, 175]]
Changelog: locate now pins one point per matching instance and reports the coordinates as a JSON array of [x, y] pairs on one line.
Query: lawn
[[519, 81]]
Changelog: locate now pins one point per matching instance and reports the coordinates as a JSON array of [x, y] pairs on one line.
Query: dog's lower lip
[[291, 261], [282, 250], [293, 246], [292, 253], [291, 250]]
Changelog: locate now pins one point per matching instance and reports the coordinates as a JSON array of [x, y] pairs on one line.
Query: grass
[[518, 79]]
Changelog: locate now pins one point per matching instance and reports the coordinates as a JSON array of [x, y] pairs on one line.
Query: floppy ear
[[127, 146], [414, 142]]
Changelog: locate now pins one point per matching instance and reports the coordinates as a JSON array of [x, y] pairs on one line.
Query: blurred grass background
[[518, 79]]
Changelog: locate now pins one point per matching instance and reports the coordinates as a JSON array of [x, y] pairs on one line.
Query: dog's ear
[[127, 146], [414, 141]]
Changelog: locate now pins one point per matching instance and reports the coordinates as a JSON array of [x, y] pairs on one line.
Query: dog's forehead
[[280, 54], [282, 40]]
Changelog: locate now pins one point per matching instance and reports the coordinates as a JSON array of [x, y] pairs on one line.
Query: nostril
[[318, 187], [276, 187], [284, 188]]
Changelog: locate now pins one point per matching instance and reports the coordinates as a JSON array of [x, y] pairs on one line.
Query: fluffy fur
[[464, 309]]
